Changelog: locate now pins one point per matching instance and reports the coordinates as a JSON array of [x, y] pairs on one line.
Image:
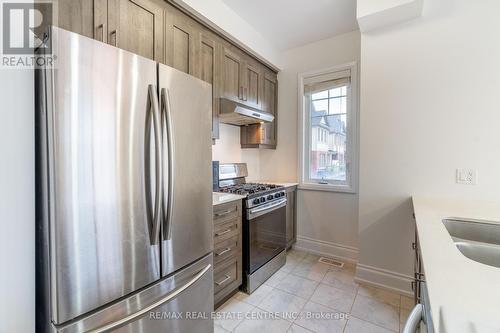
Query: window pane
[[328, 147], [321, 105], [320, 95], [336, 92]]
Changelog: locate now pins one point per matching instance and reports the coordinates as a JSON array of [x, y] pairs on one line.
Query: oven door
[[266, 233]]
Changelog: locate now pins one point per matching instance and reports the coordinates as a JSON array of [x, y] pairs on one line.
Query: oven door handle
[[254, 212]]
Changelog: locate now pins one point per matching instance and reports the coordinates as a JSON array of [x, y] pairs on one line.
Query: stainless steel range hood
[[235, 113]]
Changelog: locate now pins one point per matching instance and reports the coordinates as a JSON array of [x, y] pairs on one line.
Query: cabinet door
[[77, 16], [270, 104], [100, 29], [182, 36], [137, 26], [209, 71], [232, 69], [252, 84]]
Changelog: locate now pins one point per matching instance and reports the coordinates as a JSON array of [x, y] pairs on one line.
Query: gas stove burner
[[250, 188]]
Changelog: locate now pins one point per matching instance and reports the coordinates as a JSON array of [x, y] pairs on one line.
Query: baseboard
[[328, 249], [384, 279]]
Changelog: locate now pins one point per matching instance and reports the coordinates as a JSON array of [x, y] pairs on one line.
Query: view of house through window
[[328, 140]]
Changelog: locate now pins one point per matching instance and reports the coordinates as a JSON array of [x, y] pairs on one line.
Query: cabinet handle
[[223, 213], [245, 94], [414, 245], [227, 278], [240, 93], [102, 27], [226, 250], [115, 33], [223, 233]]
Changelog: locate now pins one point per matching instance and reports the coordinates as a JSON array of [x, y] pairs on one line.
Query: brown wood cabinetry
[[209, 71], [133, 25], [182, 36], [158, 30], [227, 250], [77, 16], [264, 135]]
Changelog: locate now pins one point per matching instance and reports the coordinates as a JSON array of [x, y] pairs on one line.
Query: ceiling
[[292, 23]]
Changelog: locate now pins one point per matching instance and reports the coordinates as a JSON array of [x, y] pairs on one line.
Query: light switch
[[467, 176]]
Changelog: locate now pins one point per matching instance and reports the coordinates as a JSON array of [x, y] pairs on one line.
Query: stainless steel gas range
[[264, 224]]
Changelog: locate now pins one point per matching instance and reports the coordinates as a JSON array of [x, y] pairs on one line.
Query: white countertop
[[285, 184], [464, 294], [220, 198]]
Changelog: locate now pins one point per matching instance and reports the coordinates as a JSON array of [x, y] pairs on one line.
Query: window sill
[[326, 188]]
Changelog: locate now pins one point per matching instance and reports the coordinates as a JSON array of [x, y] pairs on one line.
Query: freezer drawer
[[180, 303]]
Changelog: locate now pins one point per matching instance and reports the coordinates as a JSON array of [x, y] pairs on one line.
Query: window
[[328, 117]]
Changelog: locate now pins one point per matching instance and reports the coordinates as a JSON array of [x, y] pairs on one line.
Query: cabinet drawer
[[226, 230], [225, 274], [226, 249], [226, 212]]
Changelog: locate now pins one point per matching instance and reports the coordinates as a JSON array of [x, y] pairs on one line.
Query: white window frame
[[351, 185]]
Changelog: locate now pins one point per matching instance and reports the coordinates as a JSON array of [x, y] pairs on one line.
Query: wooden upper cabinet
[[77, 16], [182, 37], [140, 28], [209, 71], [270, 104], [252, 84], [231, 73], [132, 25]]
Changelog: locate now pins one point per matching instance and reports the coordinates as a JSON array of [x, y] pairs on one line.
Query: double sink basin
[[477, 240]]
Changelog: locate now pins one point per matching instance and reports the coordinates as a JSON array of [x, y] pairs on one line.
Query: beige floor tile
[[355, 325], [311, 270], [297, 254], [256, 297], [282, 302], [330, 321], [291, 263], [380, 294], [333, 298], [341, 280], [219, 329], [262, 322], [276, 278], [298, 329], [407, 302], [376, 312], [298, 286], [231, 313], [403, 315]]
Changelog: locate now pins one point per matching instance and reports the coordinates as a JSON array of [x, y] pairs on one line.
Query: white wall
[[430, 103], [325, 218], [228, 150], [17, 202], [227, 19]]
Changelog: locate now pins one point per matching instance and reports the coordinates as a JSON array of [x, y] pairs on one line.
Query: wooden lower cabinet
[[291, 216], [227, 250]]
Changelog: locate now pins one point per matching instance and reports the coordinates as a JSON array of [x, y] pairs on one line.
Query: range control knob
[[263, 199], [256, 201], [270, 197]]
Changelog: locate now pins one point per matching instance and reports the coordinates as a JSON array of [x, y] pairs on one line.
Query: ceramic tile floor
[[308, 296]]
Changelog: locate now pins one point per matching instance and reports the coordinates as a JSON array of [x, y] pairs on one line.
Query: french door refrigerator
[[124, 209]]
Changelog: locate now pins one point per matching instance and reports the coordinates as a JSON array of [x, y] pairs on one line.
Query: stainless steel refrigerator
[[124, 208]]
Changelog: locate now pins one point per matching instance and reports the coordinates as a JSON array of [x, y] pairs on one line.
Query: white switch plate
[[467, 176]]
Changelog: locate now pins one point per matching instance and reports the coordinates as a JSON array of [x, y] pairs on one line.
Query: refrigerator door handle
[[135, 316], [153, 110], [168, 198]]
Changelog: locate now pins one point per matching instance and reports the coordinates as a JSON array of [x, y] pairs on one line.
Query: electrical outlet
[[467, 176]]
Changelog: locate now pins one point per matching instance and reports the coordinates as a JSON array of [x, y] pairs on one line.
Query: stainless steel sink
[[473, 230], [475, 239], [484, 253]]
